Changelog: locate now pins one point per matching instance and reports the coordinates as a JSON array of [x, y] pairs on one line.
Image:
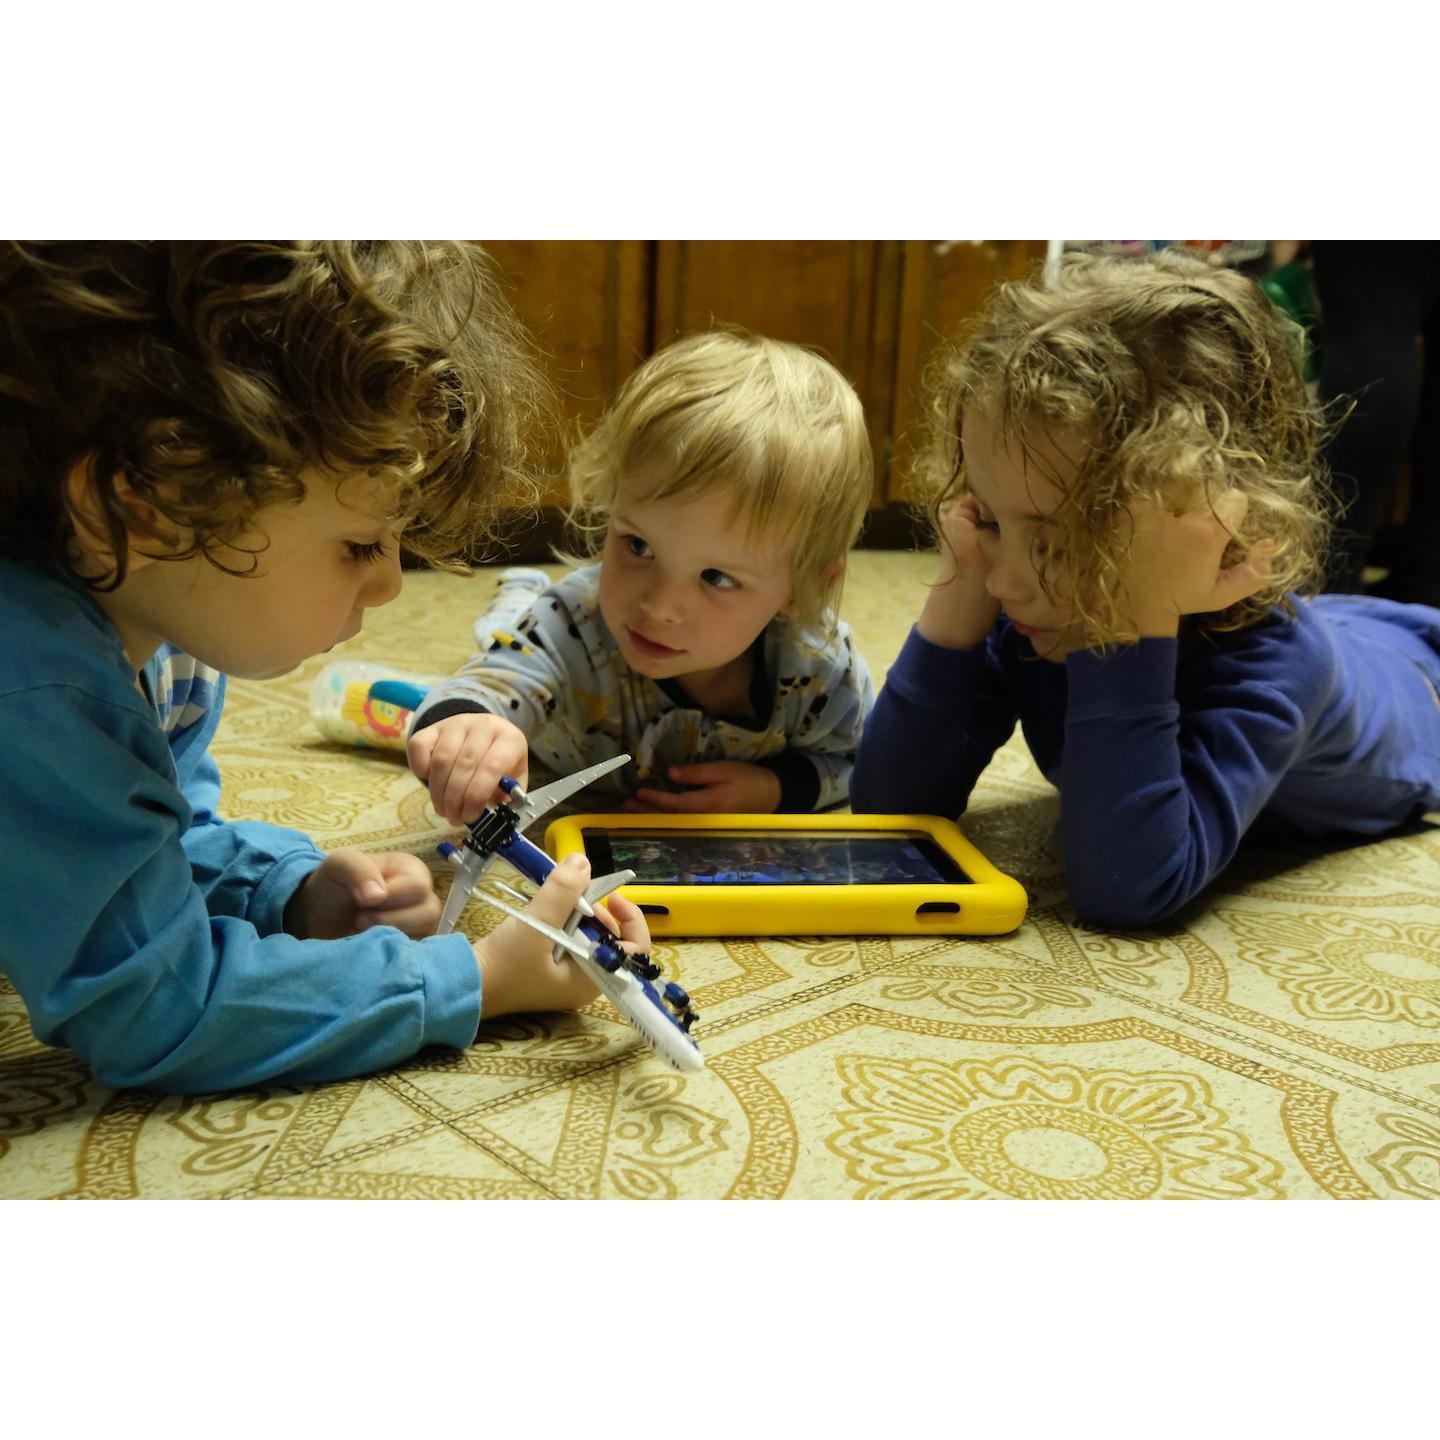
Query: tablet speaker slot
[[939, 909], [655, 909]]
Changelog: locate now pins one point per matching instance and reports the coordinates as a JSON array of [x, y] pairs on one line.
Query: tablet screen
[[773, 857]]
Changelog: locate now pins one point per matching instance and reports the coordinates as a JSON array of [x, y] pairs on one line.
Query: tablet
[[797, 874]]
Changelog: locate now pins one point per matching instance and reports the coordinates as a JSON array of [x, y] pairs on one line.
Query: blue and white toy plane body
[[663, 1018]]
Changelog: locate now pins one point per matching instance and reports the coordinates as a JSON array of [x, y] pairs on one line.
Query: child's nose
[[384, 582], [1006, 578], [662, 602]]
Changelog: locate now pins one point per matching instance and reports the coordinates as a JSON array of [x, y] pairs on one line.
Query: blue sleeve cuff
[[1130, 680], [452, 991], [266, 910]]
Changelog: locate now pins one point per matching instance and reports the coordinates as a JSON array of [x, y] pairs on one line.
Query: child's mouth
[[349, 635], [651, 648]]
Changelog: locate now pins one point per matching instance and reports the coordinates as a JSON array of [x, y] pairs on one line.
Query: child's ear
[[829, 580], [146, 530]]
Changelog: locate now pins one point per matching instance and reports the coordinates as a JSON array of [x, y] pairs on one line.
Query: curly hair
[[208, 376], [1184, 381], [772, 424]]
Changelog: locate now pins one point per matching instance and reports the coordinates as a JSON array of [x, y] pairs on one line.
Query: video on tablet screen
[[773, 857]]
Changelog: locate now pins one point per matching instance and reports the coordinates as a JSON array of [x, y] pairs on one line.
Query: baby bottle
[[358, 703]]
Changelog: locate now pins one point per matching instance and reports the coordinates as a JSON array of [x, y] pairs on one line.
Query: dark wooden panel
[[587, 302], [829, 295], [943, 285]]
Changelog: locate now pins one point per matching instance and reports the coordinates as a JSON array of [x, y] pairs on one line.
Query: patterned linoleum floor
[[1283, 1041]]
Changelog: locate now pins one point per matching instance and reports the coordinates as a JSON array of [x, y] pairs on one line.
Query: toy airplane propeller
[[663, 1018]]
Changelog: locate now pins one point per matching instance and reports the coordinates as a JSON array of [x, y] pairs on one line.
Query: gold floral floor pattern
[[1282, 1040]]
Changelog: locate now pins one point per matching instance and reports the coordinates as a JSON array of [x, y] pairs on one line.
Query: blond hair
[[1183, 380], [768, 423], [209, 376]]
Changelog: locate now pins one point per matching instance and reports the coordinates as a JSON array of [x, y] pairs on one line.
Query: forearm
[[151, 990], [248, 869], [1149, 815], [938, 721]]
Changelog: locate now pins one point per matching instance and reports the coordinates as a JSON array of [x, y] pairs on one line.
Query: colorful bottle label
[[358, 703]]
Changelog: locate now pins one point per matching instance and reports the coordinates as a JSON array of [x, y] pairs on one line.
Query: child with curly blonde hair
[[209, 455], [721, 492], [1124, 478]]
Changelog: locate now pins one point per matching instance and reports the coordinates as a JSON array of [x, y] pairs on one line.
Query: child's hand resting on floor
[[722, 786], [351, 890], [462, 758], [518, 970]]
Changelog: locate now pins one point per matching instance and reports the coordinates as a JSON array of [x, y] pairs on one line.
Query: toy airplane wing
[[469, 868], [603, 885], [595, 892], [534, 803], [571, 944]]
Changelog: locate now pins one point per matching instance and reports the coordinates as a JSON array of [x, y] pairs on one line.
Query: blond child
[[722, 492], [209, 455], [1126, 487]]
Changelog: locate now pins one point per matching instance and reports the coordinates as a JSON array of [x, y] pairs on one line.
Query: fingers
[[407, 879], [417, 921], [1261, 559], [392, 888], [632, 920], [709, 772], [511, 980], [1247, 576], [689, 802], [461, 790], [1231, 508], [466, 769], [418, 750], [359, 875], [563, 886], [706, 772]]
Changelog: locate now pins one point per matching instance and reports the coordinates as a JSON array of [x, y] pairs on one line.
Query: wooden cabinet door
[[829, 295], [587, 303], [877, 309], [943, 285]]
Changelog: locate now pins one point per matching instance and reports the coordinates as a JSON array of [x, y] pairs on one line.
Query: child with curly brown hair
[[1124, 477], [720, 495], [209, 456]]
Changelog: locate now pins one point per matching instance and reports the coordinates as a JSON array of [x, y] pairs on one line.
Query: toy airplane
[[662, 1018]]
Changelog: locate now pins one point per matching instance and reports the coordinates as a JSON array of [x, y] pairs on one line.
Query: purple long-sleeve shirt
[[1166, 753]]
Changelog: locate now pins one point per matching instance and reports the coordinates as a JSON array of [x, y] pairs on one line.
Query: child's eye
[[635, 546], [364, 554], [719, 580], [990, 526]]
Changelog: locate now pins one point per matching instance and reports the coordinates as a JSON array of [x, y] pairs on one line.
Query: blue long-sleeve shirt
[[1166, 754], [143, 931]]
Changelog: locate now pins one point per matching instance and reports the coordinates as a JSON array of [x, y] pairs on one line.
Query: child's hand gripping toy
[[662, 1018]]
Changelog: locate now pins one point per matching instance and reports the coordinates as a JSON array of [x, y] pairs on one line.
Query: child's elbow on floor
[[1124, 912], [118, 1072], [126, 1069]]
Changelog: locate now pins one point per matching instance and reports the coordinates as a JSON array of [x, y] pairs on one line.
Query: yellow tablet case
[[992, 904]]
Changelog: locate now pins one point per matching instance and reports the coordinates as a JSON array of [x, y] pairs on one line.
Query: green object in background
[[1292, 288]]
